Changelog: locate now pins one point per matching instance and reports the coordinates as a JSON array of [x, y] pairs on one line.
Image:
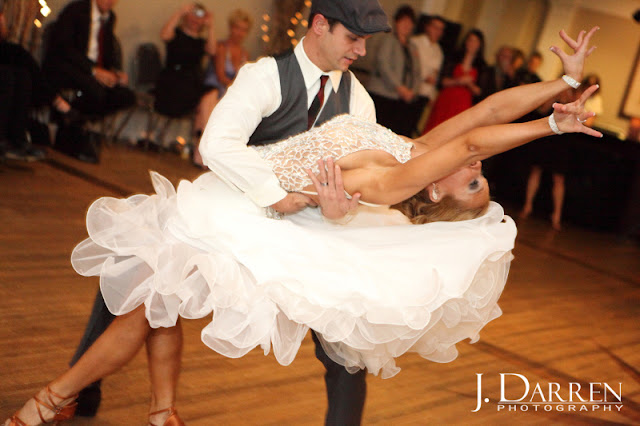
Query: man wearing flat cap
[[277, 97]]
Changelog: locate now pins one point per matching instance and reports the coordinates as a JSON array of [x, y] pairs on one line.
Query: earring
[[434, 192]]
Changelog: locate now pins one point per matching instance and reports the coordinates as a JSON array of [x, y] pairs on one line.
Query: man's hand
[[123, 78], [574, 64], [293, 203], [105, 77], [331, 195], [405, 93]]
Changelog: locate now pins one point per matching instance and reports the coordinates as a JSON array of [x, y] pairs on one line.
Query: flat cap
[[361, 17]]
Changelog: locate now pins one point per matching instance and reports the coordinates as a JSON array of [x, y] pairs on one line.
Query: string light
[[295, 20], [37, 23]]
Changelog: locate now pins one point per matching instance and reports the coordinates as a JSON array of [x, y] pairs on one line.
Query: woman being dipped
[[371, 294]]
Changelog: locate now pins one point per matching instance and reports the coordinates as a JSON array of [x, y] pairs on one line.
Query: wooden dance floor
[[571, 319]]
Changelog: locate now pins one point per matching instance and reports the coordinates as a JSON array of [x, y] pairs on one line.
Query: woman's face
[[467, 185], [472, 43], [238, 31]]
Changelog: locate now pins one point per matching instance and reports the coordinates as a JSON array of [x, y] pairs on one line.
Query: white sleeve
[[254, 94], [361, 105]]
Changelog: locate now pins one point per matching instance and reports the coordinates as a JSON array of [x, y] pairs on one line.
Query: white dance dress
[[372, 289]]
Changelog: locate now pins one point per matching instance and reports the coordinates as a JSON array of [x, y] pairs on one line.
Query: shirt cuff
[[267, 194]]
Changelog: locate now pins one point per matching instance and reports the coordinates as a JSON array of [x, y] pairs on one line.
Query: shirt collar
[[310, 71], [95, 13]]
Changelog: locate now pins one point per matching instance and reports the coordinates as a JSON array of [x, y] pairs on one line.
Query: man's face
[[339, 47], [434, 30], [504, 58], [105, 5]]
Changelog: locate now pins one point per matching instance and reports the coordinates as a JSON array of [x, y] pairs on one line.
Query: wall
[[618, 41]]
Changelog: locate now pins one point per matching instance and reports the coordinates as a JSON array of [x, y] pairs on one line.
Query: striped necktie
[[316, 105]]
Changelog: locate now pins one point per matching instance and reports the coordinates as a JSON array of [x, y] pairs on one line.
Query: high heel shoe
[[172, 420], [60, 412]]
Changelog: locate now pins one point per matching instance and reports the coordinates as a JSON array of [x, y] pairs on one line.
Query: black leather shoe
[[88, 401], [87, 158]]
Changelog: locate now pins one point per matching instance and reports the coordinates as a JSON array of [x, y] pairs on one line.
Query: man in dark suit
[[82, 55]]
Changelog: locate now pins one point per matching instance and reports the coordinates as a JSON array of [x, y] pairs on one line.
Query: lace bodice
[[337, 138]]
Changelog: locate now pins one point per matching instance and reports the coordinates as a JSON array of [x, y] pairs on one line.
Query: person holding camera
[[181, 83]]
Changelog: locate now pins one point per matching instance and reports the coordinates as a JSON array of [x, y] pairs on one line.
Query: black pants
[[345, 392], [99, 320], [91, 97], [15, 103]]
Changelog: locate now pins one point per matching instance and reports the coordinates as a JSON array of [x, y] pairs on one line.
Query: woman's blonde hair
[[420, 209], [240, 15]]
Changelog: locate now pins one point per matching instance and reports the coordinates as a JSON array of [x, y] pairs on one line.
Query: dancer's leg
[[116, 347], [533, 184], [164, 352], [557, 193], [346, 392]]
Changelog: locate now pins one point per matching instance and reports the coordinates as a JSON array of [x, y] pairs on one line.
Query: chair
[[146, 67]]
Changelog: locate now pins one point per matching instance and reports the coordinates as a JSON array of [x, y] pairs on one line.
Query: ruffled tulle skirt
[[370, 292]]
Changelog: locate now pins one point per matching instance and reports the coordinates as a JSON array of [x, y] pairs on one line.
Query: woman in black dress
[[180, 84]]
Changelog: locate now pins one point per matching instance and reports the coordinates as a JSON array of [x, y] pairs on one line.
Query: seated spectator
[[221, 71], [394, 84], [22, 87], [459, 80], [180, 84], [430, 57], [82, 55]]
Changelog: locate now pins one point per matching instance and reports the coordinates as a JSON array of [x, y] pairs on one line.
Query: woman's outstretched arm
[[508, 105], [392, 185]]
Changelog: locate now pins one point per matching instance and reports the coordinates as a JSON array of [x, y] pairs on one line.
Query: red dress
[[452, 100]]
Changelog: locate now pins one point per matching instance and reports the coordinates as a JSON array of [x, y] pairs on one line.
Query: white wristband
[[554, 126], [571, 81]]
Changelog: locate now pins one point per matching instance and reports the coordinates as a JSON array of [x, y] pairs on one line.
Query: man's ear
[[320, 25]]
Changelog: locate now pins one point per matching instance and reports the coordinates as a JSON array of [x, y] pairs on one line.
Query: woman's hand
[[187, 8], [574, 64], [329, 186], [571, 117]]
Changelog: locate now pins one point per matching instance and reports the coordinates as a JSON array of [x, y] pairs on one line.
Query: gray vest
[[291, 117]]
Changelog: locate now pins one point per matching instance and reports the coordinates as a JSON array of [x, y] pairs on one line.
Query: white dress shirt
[[430, 56], [255, 94], [96, 17]]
